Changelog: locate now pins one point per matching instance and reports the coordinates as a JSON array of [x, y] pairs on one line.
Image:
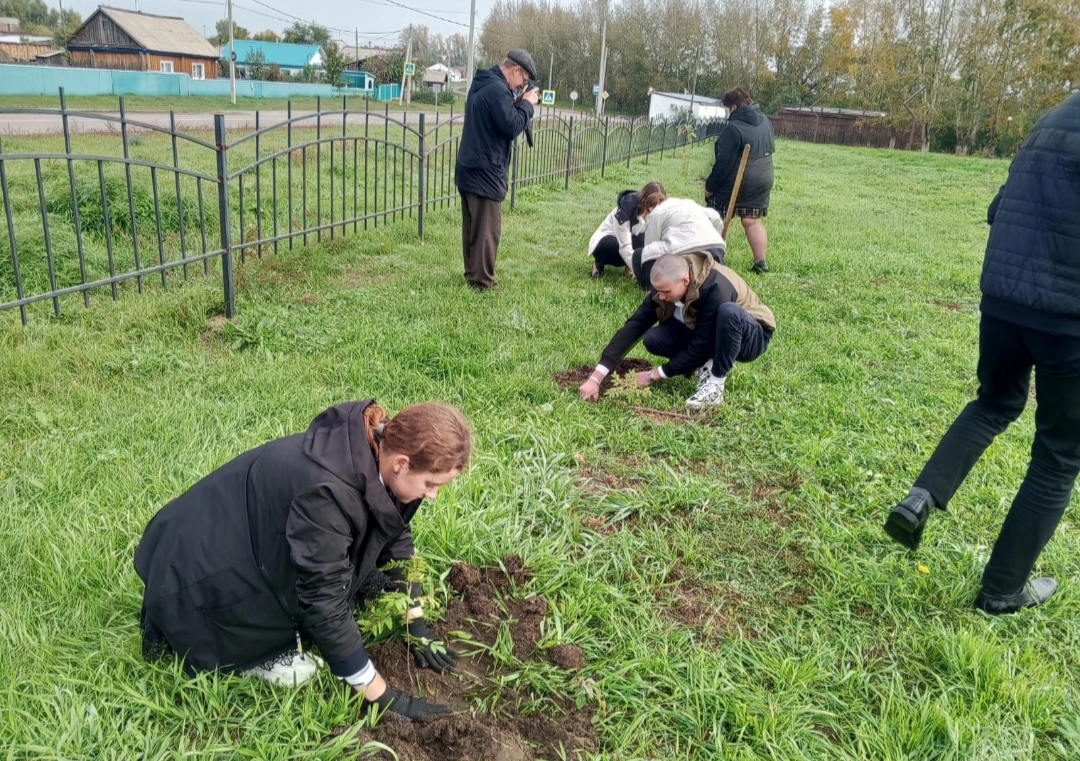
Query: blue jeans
[[739, 338], [1007, 354]]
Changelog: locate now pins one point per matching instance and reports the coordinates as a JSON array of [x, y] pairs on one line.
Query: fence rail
[[145, 201]]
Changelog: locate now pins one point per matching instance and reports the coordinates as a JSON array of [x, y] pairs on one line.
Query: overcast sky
[[379, 21]]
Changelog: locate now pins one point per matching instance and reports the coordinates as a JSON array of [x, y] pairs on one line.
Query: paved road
[[46, 124]]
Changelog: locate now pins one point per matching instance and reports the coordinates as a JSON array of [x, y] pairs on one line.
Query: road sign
[[410, 69], [605, 94], [596, 89], [573, 95], [548, 98]]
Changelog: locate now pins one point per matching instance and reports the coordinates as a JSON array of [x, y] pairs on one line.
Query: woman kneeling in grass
[[281, 541]]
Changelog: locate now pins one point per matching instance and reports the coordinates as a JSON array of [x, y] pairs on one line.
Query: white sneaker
[[710, 393], [290, 669], [702, 373]]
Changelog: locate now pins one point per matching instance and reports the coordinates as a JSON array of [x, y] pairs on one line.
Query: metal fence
[[138, 201]]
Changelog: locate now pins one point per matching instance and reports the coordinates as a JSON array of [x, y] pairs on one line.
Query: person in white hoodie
[[618, 235], [675, 226]]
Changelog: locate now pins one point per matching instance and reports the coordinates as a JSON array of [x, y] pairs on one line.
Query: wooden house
[[117, 39]]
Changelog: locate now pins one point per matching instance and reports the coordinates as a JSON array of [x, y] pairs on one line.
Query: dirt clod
[[463, 576], [569, 657]]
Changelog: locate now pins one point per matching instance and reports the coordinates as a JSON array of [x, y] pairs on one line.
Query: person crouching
[[701, 316], [618, 235]]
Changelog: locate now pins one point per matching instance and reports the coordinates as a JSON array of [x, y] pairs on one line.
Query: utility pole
[[408, 57], [232, 58], [470, 60], [551, 68], [603, 62]]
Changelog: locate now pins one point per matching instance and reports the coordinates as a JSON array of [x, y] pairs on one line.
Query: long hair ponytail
[[434, 436]]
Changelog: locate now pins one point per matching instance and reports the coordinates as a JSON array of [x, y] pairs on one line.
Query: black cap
[[522, 58]]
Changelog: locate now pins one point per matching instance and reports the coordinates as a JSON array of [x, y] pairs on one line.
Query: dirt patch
[[575, 376], [598, 523], [952, 306], [487, 601], [569, 657]]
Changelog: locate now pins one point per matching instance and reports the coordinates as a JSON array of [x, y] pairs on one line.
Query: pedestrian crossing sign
[[410, 69], [548, 98]]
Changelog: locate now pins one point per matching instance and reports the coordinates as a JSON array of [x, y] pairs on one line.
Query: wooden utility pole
[[603, 63], [408, 57], [470, 60], [232, 59]]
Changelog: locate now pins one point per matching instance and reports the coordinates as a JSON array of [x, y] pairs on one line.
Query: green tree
[[266, 35], [255, 64], [221, 32], [334, 63]]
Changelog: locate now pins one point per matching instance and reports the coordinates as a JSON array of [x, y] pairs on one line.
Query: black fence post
[[421, 178], [221, 146], [630, 145], [569, 153]]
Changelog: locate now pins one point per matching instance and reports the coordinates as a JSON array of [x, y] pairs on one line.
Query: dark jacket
[[492, 121], [711, 284], [273, 542], [746, 124], [1031, 271], [626, 207]]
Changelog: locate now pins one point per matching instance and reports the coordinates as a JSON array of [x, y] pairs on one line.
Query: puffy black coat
[[746, 124], [276, 541], [1031, 271], [492, 121]]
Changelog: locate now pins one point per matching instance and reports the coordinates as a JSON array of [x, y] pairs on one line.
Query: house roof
[[701, 99], [160, 34], [287, 54]]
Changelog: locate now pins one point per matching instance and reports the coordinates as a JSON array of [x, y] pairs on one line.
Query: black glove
[[429, 651], [413, 708]]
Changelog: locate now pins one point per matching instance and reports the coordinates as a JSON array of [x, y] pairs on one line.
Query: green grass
[[198, 103], [825, 641]]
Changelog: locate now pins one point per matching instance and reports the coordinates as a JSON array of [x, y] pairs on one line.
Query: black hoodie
[[746, 125], [492, 121], [274, 542]]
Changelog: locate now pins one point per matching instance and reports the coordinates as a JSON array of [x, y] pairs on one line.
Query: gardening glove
[[412, 708], [429, 651]]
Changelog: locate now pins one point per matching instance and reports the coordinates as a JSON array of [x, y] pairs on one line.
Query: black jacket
[[1031, 271], [745, 125], [626, 207], [273, 542], [492, 121], [711, 284]]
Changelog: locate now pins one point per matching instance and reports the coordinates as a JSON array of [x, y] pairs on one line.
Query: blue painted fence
[[46, 80]]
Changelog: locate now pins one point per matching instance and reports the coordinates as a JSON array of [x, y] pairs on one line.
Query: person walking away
[[493, 120], [1030, 319], [746, 125]]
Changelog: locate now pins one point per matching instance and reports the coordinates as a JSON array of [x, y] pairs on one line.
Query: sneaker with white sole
[[703, 372], [289, 669], [710, 393]]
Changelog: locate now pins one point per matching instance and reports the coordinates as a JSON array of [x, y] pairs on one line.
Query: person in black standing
[[493, 119], [746, 125], [1030, 319], [277, 545]]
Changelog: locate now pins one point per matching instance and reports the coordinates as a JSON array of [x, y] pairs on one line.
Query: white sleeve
[[626, 248]]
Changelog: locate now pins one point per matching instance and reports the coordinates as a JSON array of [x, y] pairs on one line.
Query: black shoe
[[760, 267], [1035, 591], [907, 520], [596, 273]]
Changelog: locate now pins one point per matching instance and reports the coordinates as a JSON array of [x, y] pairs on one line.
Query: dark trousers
[[481, 228], [739, 338], [607, 254], [1007, 353]]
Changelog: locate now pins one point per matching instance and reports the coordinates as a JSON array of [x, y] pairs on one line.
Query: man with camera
[[498, 109]]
